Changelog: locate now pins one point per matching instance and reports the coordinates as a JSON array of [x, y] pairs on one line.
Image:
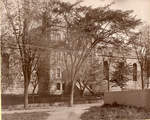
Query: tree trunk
[[142, 79], [72, 93], [26, 85], [83, 91], [108, 76], [108, 85], [62, 95], [148, 82], [26, 95], [34, 91]]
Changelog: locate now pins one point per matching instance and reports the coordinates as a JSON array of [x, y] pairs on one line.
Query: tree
[[85, 28], [19, 20], [108, 53], [5, 79], [28, 22], [10, 67], [121, 74], [88, 75], [34, 81], [148, 72], [141, 45]]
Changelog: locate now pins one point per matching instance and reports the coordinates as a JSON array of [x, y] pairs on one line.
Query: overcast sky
[[141, 7]]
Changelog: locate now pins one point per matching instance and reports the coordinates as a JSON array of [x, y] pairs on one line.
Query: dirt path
[[70, 113], [59, 113]]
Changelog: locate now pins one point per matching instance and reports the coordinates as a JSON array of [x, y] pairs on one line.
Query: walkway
[[70, 113], [59, 112]]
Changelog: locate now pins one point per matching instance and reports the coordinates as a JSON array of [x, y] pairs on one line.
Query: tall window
[[58, 86], [134, 72], [106, 70], [58, 73]]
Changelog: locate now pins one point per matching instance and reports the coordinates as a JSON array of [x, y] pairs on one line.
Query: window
[[58, 86], [58, 73], [134, 72], [106, 70]]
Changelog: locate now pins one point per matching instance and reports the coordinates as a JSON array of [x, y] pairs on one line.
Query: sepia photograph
[[75, 59]]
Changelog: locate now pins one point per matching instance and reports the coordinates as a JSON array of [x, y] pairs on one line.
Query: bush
[[115, 112]]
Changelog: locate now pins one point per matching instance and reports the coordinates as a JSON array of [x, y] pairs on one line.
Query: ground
[[71, 113], [51, 107], [58, 113], [93, 111]]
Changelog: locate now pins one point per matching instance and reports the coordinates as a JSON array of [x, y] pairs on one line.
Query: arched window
[[106, 70], [134, 72]]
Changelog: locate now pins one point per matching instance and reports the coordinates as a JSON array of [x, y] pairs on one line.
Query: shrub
[[114, 112]]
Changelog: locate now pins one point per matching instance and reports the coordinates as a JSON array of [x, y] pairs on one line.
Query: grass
[[26, 116], [11, 100], [115, 112]]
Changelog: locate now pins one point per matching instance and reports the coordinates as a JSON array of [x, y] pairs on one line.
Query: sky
[[141, 7]]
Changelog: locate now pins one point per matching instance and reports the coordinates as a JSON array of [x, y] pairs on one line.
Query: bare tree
[[28, 22], [19, 20], [141, 45], [88, 75]]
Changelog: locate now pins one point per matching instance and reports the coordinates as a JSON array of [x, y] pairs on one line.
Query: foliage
[[121, 73], [82, 28], [113, 112], [86, 27]]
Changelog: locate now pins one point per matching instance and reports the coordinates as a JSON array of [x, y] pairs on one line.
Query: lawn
[[116, 112], [26, 116], [11, 100]]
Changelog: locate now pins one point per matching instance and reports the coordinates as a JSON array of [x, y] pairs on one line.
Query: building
[[52, 71]]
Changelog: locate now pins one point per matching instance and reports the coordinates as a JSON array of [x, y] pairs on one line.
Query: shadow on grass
[[26, 116]]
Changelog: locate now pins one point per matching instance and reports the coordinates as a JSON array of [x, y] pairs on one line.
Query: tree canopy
[[81, 27]]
